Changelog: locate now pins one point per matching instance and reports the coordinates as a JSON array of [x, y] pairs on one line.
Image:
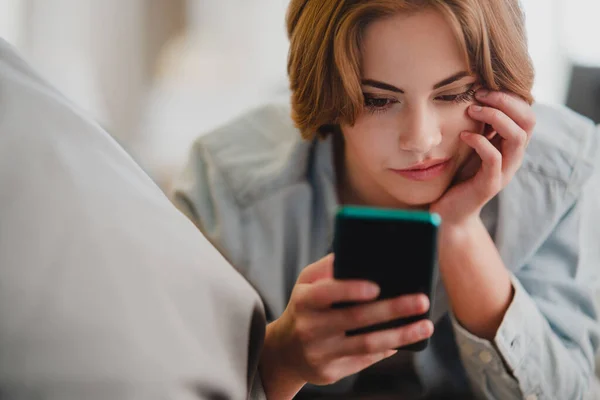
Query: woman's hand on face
[[310, 339], [513, 121]]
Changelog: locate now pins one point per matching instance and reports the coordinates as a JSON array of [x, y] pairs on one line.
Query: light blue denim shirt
[[267, 200]]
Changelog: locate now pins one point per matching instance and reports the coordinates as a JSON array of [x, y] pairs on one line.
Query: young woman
[[417, 105]]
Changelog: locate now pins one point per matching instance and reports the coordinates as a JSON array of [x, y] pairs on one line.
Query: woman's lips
[[425, 171]]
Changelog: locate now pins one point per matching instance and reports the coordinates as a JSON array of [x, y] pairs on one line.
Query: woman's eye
[[458, 98], [378, 103], [448, 97]]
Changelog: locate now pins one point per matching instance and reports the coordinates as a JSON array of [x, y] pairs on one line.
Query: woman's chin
[[421, 199]]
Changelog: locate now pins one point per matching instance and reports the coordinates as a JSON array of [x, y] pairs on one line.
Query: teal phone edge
[[389, 213]]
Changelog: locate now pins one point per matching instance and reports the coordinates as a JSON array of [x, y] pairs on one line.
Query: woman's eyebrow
[[451, 79], [381, 85], [389, 87]]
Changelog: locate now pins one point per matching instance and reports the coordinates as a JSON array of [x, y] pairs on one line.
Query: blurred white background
[[158, 73]]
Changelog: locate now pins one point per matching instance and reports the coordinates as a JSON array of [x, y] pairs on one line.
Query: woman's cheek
[[372, 131], [366, 144], [458, 121], [452, 129]]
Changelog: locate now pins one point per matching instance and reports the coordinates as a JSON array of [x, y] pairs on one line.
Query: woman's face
[[404, 149]]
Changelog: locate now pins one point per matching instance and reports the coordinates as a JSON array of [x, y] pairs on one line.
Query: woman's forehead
[[417, 48]]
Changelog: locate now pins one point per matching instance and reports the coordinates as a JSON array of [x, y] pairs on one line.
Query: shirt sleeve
[[545, 345], [107, 291], [204, 196]]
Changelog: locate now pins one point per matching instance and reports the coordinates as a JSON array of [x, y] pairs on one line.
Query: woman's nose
[[421, 132]]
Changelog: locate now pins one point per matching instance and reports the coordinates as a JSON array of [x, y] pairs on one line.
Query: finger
[[322, 269], [352, 364], [490, 174], [490, 156], [325, 293], [471, 165], [512, 105], [501, 123], [361, 316], [377, 342], [333, 323], [516, 138]]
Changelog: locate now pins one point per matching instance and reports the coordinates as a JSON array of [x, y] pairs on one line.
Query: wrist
[[453, 216], [477, 282], [459, 234], [279, 378]]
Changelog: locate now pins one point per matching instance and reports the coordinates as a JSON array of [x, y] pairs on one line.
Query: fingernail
[[423, 303], [424, 330], [482, 93], [476, 108], [465, 135], [371, 290]]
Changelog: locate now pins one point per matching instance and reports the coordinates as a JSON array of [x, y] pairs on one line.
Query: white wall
[[11, 20], [544, 29], [97, 52]]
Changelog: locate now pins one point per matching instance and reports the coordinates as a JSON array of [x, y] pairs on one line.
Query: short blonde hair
[[325, 52]]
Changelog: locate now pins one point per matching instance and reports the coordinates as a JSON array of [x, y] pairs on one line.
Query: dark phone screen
[[399, 255]]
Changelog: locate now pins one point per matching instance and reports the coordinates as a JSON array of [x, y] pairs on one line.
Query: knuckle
[[496, 115], [304, 331], [351, 290], [529, 121], [502, 99], [319, 294], [339, 291], [299, 299], [369, 343], [407, 336], [495, 159], [412, 335], [314, 359], [403, 306], [296, 305], [328, 377], [356, 314], [521, 138]]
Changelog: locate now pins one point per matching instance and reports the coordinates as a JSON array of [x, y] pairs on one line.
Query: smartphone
[[397, 249]]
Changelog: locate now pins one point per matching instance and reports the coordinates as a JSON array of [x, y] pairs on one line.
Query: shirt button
[[486, 358], [467, 349], [532, 397]]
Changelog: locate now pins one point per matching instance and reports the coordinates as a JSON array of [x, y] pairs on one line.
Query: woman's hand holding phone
[[308, 343]]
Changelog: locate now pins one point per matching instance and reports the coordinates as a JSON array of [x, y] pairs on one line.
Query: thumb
[[322, 269]]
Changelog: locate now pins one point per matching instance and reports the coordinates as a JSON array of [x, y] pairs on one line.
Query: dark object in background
[[584, 92]]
